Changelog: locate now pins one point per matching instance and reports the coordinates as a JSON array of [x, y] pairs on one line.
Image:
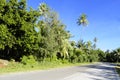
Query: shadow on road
[[106, 71]]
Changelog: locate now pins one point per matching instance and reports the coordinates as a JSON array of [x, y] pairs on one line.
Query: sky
[[103, 17]]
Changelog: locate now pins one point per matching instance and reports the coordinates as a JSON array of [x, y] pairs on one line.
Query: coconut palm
[[88, 45], [117, 51], [43, 8], [95, 41], [82, 20]]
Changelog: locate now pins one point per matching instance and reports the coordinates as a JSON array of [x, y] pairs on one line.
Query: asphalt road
[[98, 71]]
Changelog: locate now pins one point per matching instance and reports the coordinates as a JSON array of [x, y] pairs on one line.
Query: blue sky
[[103, 17]]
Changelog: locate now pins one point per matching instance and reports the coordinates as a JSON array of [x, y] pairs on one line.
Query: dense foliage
[[18, 36], [113, 56], [29, 35]]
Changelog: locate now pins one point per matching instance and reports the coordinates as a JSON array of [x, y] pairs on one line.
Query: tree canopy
[[40, 33]]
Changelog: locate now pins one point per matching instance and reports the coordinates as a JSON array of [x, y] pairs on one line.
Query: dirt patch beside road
[[3, 63]]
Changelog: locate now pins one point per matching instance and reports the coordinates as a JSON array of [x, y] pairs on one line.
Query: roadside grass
[[18, 67], [118, 68]]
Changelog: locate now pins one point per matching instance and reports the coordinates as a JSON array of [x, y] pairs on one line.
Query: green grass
[[18, 67], [118, 68]]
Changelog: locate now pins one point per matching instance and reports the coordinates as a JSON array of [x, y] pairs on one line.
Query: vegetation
[[113, 56], [33, 38], [118, 68]]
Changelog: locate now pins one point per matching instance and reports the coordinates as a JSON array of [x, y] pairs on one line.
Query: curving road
[[98, 71]]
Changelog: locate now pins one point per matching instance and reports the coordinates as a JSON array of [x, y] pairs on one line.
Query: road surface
[[98, 71]]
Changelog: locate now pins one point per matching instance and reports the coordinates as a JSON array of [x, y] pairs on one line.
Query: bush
[[28, 60], [65, 61], [78, 52]]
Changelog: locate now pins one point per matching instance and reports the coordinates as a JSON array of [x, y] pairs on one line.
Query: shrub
[[28, 60], [65, 61]]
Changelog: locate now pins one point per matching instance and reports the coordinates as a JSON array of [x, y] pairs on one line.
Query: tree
[[82, 20], [43, 8], [113, 56], [95, 41], [26, 34], [81, 44], [89, 45], [17, 25], [117, 54], [54, 37]]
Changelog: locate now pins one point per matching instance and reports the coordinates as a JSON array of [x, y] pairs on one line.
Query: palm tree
[[88, 45], [43, 8], [81, 44], [118, 54], [95, 41], [82, 20]]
